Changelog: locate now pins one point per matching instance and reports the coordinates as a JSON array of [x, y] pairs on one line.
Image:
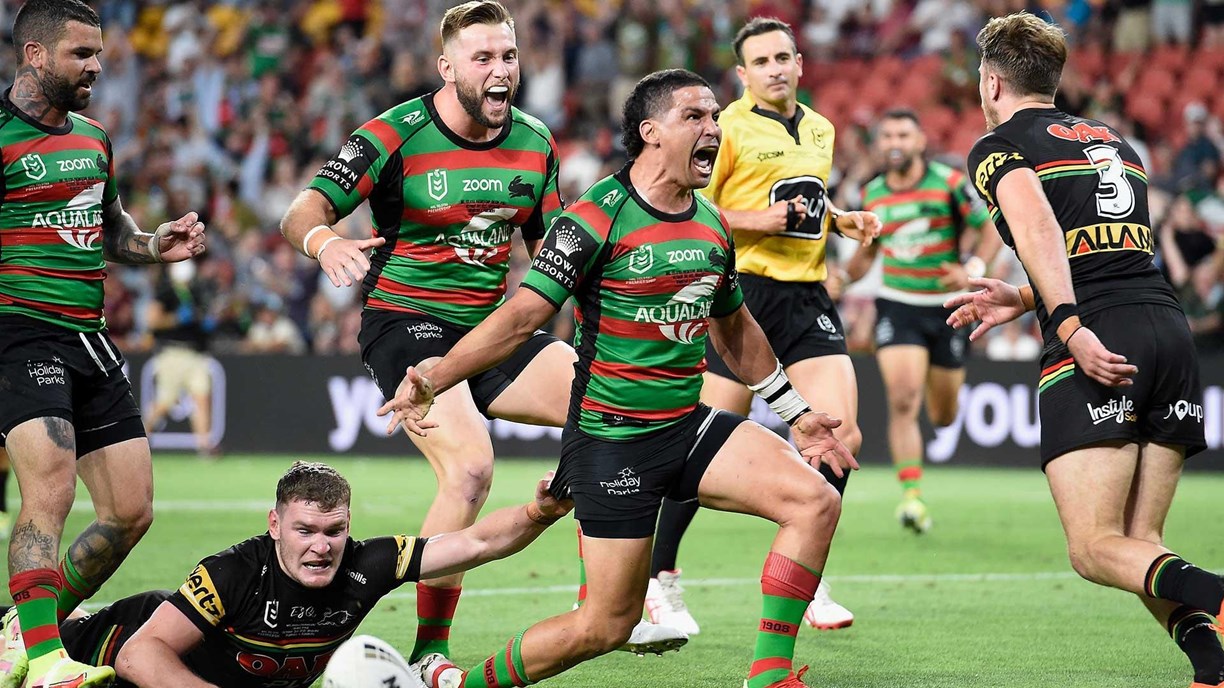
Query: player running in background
[[66, 409], [448, 177], [1120, 398], [652, 268], [925, 207], [270, 610], [770, 183]]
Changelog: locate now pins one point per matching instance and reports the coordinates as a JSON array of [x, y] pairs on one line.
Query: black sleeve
[[217, 582], [389, 562], [990, 160]]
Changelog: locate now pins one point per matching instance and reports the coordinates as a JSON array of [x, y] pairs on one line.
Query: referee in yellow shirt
[[770, 182]]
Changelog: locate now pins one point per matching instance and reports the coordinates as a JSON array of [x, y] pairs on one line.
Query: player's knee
[[1083, 553], [813, 502], [468, 480], [904, 403], [132, 521]]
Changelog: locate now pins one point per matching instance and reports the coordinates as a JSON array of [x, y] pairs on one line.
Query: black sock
[[4, 490], [838, 483], [1192, 631], [674, 519], [1172, 578]]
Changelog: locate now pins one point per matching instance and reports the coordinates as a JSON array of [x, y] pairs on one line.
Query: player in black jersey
[[1120, 399], [271, 610]]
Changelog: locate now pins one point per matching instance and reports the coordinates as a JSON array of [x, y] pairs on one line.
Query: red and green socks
[[35, 593], [786, 587], [435, 612], [582, 589], [503, 670], [75, 591], [909, 474]]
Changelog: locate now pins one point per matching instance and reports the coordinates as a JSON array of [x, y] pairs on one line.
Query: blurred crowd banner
[[327, 405]]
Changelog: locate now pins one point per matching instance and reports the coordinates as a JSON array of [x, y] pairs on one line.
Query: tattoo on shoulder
[[61, 433]]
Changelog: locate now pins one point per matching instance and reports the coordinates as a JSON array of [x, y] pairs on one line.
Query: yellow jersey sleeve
[[765, 159]]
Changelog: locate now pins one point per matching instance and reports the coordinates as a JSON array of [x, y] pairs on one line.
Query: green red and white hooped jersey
[[646, 284], [446, 206], [55, 184]]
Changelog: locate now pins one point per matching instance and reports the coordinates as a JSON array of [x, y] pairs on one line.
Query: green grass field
[[986, 599]]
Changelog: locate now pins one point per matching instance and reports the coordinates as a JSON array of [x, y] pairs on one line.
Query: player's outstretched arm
[[495, 536], [307, 228], [153, 658], [171, 242], [995, 302], [490, 343]]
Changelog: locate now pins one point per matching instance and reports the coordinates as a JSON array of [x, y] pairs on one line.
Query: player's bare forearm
[[495, 536], [860, 263], [309, 210], [741, 343], [122, 240], [148, 662], [1039, 238], [493, 340], [989, 243]]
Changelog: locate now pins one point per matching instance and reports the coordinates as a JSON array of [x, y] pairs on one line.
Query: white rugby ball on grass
[[364, 661]]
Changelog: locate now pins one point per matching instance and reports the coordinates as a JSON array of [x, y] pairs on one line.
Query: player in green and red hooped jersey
[[925, 207], [60, 433], [447, 177], [634, 299]]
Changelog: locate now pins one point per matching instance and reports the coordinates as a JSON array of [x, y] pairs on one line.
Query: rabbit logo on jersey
[[686, 315]]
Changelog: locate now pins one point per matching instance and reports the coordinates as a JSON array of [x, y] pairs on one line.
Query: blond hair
[[1027, 53], [471, 13]]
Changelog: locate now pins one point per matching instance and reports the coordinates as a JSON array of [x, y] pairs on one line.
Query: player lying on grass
[[270, 611]]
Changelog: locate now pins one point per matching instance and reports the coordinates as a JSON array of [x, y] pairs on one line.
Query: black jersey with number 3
[[1096, 186]]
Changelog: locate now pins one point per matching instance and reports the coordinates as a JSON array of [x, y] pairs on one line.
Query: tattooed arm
[[123, 242]]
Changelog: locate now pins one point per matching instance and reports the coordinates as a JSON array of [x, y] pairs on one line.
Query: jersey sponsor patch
[[202, 594], [1111, 236], [564, 246], [405, 546], [986, 169], [348, 165]]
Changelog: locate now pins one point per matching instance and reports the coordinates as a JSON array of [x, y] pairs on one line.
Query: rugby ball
[[364, 661]]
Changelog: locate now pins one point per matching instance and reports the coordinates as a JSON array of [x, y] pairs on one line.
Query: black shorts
[[390, 342], [50, 371], [618, 486], [799, 319], [96, 639], [1165, 403], [925, 326]]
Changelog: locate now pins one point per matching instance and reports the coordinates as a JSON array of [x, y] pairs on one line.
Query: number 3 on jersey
[[810, 224], [1116, 197]]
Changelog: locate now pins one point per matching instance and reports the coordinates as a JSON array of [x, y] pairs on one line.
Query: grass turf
[[985, 599]]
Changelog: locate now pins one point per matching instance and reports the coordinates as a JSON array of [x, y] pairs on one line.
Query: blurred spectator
[[1198, 162], [1133, 27], [273, 332], [1172, 21]]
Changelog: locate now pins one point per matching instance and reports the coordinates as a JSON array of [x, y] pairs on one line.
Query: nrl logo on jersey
[[34, 166], [686, 315], [642, 259], [438, 187]]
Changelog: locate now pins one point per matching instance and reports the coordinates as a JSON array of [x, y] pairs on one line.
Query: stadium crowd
[[230, 106]]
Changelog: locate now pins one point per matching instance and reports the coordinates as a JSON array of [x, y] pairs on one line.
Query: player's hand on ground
[[181, 239], [813, 433], [549, 505], [995, 302], [860, 225], [411, 403], [344, 261], [954, 277], [1099, 363]]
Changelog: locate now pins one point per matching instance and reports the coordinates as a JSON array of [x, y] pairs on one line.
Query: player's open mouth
[[703, 159], [497, 96], [317, 565]]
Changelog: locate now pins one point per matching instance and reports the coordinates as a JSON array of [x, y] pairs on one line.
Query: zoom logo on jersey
[[78, 164], [34, 166], [1185, 408], [1118, 410], [347, 167]]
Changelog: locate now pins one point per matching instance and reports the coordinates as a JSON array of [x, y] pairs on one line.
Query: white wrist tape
[[777, 391], [306, 240], [155, 243], [325, 243]]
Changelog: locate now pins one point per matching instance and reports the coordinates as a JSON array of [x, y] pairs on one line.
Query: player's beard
[[61, 92], [472, 100], [904, 165], [992, 116]]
